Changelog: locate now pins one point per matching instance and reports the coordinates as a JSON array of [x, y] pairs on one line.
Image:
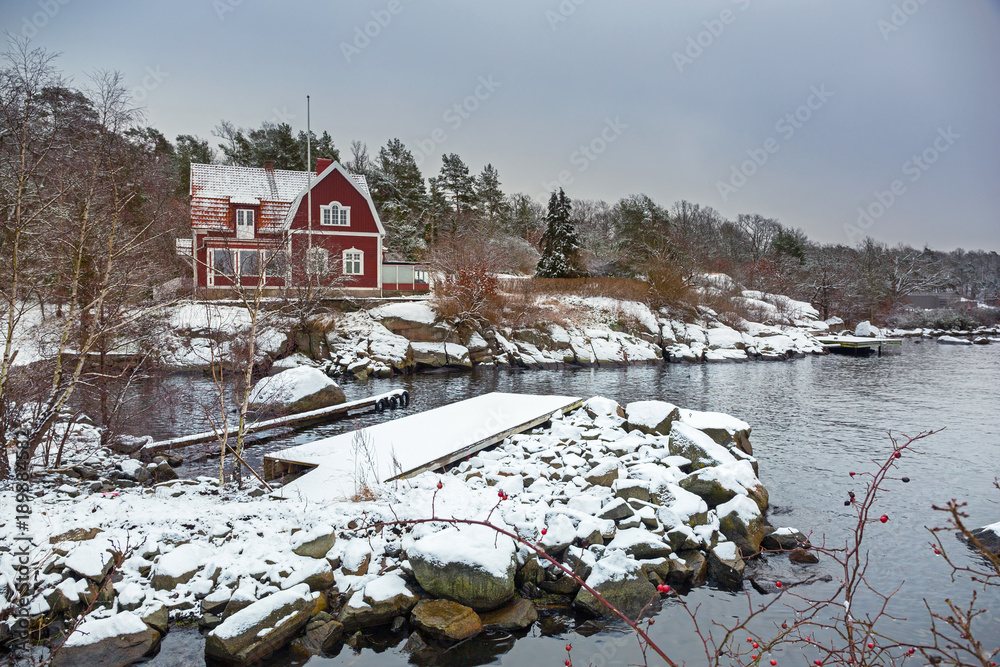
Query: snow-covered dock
[[858, 344], [380, 402], [344, 464]]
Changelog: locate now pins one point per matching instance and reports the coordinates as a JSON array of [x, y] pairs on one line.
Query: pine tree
[[495, 207], [560, 246], [400, 195], [459, 187]]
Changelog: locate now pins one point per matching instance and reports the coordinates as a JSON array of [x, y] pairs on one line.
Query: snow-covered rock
[[297, 389], [472, 566]]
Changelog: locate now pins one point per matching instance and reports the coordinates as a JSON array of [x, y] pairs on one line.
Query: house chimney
[[269, 165], [321, 164]]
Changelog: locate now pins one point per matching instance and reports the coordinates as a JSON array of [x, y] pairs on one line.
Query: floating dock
[[378, 403], [858, 345], [339, 467]]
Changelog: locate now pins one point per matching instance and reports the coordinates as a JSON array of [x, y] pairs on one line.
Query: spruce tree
[[560, 246]]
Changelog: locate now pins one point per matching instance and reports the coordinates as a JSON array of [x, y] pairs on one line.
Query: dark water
[[814, 420]]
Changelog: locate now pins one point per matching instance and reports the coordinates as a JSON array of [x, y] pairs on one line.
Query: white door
[[244, 223]]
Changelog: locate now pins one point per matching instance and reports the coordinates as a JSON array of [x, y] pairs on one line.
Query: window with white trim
[[317, 261], [223, 262], [354, 262], [335, 215]]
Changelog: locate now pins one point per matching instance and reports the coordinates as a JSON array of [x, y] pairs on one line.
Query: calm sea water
[[814, 420]]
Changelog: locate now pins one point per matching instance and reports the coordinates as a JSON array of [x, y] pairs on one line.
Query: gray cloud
[[899, 71]]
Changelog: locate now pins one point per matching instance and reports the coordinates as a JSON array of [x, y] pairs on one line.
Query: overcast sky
[[804, 111]]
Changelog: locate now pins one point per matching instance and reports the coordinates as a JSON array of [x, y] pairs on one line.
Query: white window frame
[[234, 260], [317, 261], [250, 225], [340, 215], [356, 260]]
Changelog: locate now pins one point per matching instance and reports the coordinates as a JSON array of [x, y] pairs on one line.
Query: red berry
[[897, 454], [871, 645], [913, 650], [753, 656], [749, 639], [851, 474], [755, 645], [568, 663], [883, 518], [544, 530], [440, 485], [778, 584], [569, 647], [773, 662], [818, 661]]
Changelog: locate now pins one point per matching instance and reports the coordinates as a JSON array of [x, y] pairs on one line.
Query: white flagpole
[[309, 200]]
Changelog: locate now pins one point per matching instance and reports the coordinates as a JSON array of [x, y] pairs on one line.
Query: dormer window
[[335, 215]]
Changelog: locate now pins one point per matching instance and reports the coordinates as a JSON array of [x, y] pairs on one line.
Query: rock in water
[[741, 522], [621, 581], [465, 566], [382, 600], [989, 537], [108, 642], [444, 619], [262, 628], [518, 615], [298, 389], [725, 565]]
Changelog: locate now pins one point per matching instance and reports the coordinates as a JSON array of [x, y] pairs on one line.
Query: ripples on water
[[814, 420]]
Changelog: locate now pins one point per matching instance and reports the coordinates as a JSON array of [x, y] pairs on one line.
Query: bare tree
[[74, 231]]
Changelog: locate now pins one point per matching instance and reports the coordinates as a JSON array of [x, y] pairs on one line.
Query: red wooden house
[[250, 224]]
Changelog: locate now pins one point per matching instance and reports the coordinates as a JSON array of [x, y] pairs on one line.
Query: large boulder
[[413, 320], [436, 355], [653, 417], [621, 581], [262, 628], [298, 389], [390, 349], [741, 521], [116, 641], [474, 566], [447, 620]]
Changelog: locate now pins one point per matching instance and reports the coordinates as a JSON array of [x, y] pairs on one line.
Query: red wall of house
[[336, 245], [335, 187]]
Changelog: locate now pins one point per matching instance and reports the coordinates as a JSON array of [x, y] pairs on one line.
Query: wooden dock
[[858, 345], [339, 466], [380, 402]]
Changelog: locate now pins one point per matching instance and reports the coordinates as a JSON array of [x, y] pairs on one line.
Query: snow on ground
[[187, 541]]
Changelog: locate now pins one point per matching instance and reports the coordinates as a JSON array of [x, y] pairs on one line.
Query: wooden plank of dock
[[410, 445], [322, 414]]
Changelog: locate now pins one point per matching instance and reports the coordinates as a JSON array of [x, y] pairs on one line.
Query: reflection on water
[[814, 421]]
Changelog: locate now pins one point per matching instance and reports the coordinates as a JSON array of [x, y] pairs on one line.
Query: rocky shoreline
[[633, 499], [407, 336]]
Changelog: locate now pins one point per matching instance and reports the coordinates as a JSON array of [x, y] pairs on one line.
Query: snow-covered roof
[[215, 186]]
